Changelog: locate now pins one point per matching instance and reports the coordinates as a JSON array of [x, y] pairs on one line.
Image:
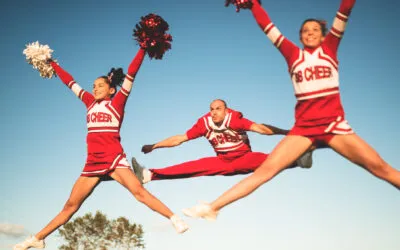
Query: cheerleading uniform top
[[314, 72], [230, 139], [104, 119]]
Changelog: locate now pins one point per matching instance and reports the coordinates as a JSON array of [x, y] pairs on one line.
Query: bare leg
[[359, 152], [128, 179], [287, 151], [82, 188]]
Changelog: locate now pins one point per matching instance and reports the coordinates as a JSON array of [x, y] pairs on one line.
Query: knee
[[71, 206], [139, 193], [267, 172]]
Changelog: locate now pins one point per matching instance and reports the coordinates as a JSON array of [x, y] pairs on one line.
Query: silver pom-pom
[[38, 55]]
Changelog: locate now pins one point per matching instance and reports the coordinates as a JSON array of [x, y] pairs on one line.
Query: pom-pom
[[241, 4], [150, 33], [38, 56]]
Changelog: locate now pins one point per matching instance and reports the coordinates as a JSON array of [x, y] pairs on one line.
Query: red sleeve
[[239, 123], [136, 62], [198, 129], [346, 6], [121, 96], [336, 32], [119, 101], [261, 16], [65, 77], [284, 45], [69, 81]]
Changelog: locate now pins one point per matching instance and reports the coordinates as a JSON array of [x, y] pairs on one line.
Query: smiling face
[[102, 89], [311, 34], [218, 111]]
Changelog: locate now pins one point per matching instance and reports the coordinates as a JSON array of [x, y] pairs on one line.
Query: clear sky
[[216, 53]]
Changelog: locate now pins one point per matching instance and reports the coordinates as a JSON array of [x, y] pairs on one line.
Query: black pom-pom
[[116, 77], [241, 4], [150, 33]]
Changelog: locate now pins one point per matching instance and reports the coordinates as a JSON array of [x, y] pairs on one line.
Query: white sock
[[147, 175]]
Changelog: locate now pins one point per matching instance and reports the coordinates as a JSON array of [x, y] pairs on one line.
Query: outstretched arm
[[286, 47], [266, 129], [335, 34], [238, 122], [69, 81], [121, 97], [133, 69], [196, 131], [167, 143]]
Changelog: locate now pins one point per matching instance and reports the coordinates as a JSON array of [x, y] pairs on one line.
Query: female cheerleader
[[319, 115], [106, 158]]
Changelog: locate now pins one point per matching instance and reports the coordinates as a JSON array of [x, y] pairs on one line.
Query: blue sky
[[216, 53]]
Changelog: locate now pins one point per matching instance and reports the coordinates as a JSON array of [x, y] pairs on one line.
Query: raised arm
[[133, 69], [167, 143], [69, 81], [336, 32], [285, 46], [121, 96]]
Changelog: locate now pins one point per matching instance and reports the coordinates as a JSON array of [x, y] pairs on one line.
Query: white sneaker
[[179, 224], [202, 210], [30, 242]]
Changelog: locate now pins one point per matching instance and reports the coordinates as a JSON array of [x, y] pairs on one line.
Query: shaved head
[[218, 111], [220, 101]]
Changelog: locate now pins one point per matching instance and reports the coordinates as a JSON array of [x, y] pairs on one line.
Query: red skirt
[[321, 134], [101, 166]]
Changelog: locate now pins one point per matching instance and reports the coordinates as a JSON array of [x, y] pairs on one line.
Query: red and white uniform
[[104, 119], [231, 144], [230, 139], [314, 72]]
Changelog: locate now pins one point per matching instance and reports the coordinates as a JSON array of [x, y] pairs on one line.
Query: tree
[[99, 233]]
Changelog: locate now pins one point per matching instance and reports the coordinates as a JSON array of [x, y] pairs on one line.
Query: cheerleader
[[319, 115], [226, 130], [106, 159]]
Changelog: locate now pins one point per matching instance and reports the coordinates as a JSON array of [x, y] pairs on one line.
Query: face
[[218, 111], [311, 35], [102, 90]]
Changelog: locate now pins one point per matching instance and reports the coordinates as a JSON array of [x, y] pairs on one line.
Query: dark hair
[[114, 78], [321, 22]]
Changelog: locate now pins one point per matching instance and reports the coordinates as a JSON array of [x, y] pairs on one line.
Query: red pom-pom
[[150, 33], [241, 4]]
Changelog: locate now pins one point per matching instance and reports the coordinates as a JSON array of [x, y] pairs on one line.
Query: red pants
[[209, 166]]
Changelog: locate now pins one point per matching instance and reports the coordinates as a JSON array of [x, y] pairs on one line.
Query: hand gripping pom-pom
[[150, 33], [38, 56], [241, 4]]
